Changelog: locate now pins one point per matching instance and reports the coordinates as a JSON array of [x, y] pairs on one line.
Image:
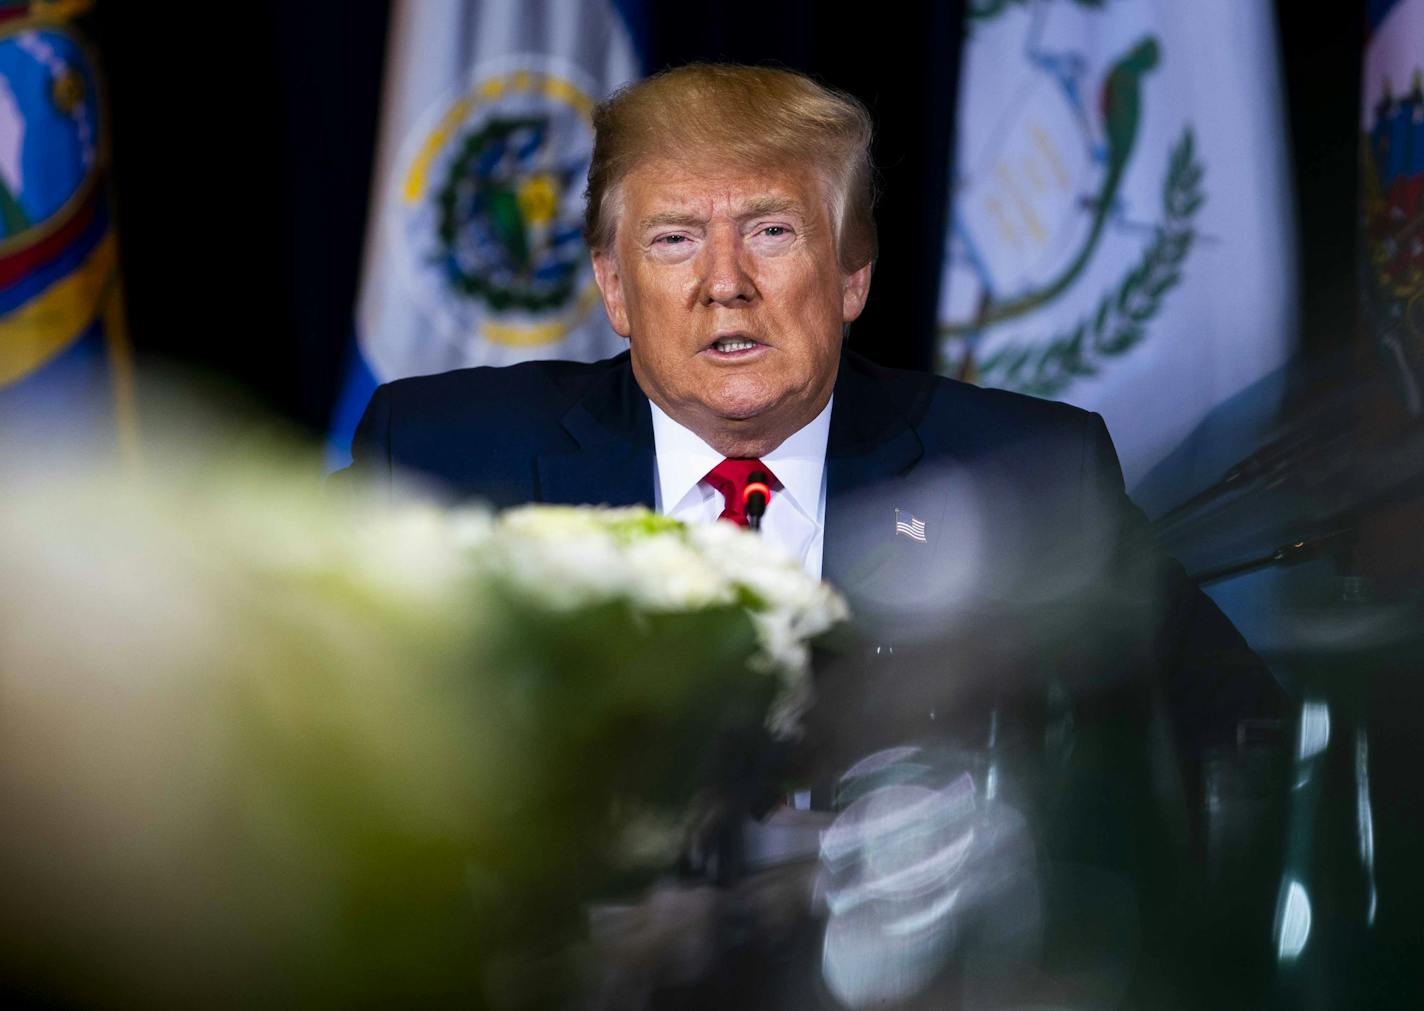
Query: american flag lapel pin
[[909, 525]]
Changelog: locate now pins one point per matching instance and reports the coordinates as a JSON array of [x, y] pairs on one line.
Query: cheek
[[815, 306], [814, 287], [659, 360], [659, 301]]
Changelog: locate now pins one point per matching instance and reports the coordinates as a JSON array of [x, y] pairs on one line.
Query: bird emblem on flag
[[1052, 229]]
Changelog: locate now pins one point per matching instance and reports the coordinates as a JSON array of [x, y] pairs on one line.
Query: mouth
[[730, 347]]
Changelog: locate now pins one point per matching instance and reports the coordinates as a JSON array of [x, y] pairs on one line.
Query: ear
[[855, 289], [610, 286]]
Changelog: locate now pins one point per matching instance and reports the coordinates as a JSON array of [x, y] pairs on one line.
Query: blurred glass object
[[1294, 913], [1328, 897], [1294, 929], [922, 868], [1365, 819], [1314, 731]]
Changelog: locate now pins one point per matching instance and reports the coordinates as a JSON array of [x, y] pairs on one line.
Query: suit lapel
[[612, 462], [871, 449]]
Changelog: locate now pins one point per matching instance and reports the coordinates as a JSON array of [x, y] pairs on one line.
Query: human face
[[728, 287]]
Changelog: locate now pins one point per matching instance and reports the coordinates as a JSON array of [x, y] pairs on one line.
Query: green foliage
[[1046, 368]]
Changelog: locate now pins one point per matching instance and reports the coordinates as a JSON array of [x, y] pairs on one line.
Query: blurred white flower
[[246, 720], [574, 556]]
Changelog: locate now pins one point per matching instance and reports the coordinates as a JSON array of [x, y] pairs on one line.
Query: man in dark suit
[[983, 538], [730, 217]]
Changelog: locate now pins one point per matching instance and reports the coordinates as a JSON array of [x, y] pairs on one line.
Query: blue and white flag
[[1121, 229], [474, 250]]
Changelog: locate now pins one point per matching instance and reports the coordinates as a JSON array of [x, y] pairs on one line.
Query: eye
[[672, 247], [775, 236]]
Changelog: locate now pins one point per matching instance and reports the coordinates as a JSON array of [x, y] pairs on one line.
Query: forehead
[[706, 191]]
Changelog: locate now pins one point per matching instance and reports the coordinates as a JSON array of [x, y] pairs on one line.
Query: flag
[[909, 525], [1392, 188], [64, 359], [475, 254], [1121, 232]]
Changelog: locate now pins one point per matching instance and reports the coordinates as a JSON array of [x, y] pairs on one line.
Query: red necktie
[[731, 478]]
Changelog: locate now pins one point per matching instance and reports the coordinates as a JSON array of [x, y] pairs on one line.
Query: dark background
[[242, 149]]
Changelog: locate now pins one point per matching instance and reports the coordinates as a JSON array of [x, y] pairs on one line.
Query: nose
[[725, 279]]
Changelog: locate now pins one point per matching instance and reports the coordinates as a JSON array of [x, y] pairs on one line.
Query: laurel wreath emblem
[[1046, 368]]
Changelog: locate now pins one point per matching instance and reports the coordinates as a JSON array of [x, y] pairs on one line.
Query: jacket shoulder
[[476, 430], [940, 406], [517, 392], [1001, 410]]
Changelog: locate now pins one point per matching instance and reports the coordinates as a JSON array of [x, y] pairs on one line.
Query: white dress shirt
[[796, 515]]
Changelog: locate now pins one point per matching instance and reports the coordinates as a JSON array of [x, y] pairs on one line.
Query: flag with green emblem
[[1121, 231], [474, 250]]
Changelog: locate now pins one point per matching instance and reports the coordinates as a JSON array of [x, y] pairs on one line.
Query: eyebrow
[[683, 218], [752, 209]]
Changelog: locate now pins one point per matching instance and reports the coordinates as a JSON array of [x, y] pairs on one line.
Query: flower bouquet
[[260, 745]]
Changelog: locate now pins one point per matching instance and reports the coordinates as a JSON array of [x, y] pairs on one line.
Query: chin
[[740, 400], [743, 416], [741, 408]]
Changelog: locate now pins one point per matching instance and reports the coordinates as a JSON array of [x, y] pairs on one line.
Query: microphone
[[755, 496]]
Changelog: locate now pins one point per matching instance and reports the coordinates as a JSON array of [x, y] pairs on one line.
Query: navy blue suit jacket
[[1027, 522], [1038, 581]]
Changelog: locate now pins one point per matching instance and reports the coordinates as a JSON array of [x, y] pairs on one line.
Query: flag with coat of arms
[[1392, 189], [1121, 232], [474, 248], [65, 365]]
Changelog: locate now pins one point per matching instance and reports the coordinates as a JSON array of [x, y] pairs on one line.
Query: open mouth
[[731, 346]]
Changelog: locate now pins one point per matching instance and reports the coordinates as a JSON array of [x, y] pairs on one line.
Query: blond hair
[[750, 118]]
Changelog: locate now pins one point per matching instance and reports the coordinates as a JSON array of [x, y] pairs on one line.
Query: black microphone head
[[755, 496]]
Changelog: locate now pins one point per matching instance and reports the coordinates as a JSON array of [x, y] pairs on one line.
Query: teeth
[[734, 345]]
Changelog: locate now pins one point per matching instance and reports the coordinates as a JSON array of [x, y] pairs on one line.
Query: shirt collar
[[683, 459]]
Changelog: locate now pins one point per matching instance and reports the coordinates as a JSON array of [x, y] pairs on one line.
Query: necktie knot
[[733, 479]]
